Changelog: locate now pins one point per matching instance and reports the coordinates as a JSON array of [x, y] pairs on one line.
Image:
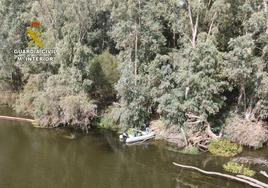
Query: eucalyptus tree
[[247, 60], [137, 32], [62, 94], [12, 36], [186, 61]]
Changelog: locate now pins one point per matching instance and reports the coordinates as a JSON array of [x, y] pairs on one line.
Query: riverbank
[[251, 134], [171, 135]]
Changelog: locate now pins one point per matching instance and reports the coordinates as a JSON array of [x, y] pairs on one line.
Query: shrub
[[104, 75], [109, 65], [246, 132], [110, 118], [190, 150], [224, 148], [236, 168], [63, 102], [24, 103], [7, 97], [74, 111]]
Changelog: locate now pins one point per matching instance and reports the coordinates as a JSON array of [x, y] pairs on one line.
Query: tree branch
[[193, 28], [265, 4], [212, 22], [252, 182], [190, 17], [264, 173]]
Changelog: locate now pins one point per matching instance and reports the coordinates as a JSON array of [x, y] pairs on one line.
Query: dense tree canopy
[[191, 63]]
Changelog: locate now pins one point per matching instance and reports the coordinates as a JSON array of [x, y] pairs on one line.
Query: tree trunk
[[211, 25], [136, 56], [194, 27], [265, 4]]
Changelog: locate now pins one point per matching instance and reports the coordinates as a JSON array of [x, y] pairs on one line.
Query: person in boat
[[125, 135]]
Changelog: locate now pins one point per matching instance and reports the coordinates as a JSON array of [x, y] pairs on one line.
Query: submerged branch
[[16, 119], [249, 181], [253, 180], [264, 173]]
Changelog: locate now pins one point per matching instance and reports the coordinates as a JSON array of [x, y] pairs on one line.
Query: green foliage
[[63, 102], [109, 66], [188, 63], [59, 93], [24, 103], [195, 83], [110, 118], [104, 75], [236, 168], [190, 150], [139, 37], [224, 148], [208, 68], [11, 37]]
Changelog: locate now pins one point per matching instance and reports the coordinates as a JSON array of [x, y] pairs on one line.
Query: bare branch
[[195, 30], [191, 18], [212, 22], [265, 4], [264, 173], [252, 182]]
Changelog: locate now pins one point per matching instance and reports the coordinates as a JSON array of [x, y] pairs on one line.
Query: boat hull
[[141, 138]]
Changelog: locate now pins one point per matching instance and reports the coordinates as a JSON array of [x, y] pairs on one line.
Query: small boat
[[135, 135]]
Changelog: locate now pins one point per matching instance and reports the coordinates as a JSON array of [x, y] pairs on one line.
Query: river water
[[46, 158]]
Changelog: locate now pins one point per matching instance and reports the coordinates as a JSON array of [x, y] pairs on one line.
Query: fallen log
[[16, 119], [253, 180], [264, 173], [251, 183]]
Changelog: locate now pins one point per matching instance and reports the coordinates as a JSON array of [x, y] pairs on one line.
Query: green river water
[[42, 158]]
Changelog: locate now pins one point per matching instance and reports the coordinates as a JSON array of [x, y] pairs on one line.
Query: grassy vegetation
[[109, 119], [224, 148], [191, 150], [237, 168]]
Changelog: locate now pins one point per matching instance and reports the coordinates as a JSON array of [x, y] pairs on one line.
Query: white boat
[[137, 136]]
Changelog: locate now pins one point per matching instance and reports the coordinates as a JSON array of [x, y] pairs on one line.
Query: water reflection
[[47, 159]]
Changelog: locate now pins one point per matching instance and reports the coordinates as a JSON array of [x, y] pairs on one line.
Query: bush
[[238, 169], [104, 75], [110, 118], [224, 148], [109, 66], [190, 150], [246, 132], [7, 97], [63, 102], [24, 103], [73, 111]]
